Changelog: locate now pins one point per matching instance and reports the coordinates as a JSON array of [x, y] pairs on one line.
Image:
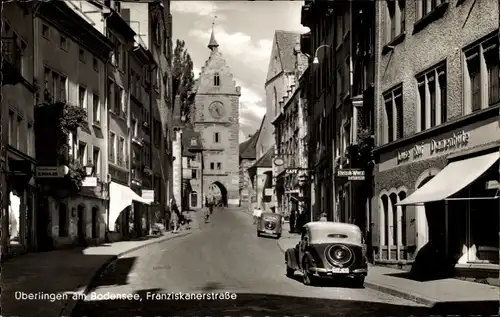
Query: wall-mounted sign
[[279, 161], [435, 146], [148, 194], [89, 182], [352, 174], [51, 171], [268, 192]]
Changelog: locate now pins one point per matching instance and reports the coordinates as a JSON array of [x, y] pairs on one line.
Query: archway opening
[[217, 193]]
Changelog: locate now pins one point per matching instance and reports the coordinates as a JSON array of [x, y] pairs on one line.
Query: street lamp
[[316, 60], [89, 168]]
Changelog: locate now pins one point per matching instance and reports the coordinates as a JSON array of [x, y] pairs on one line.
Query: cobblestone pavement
[[227, 257]]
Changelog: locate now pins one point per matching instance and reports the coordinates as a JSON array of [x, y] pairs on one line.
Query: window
[[134, 128], [276, 104], [112, 147], [393, 102], [193, 142], [426, 7], [340, 85], [82, 92], [216, 137], [24, 59], [482, 87], [12, 126], [109, 96], [340, 32], [347, 74], [219, 166], [18, 132], [63, 95], [95, 64], [96, 155], [63, 43], [121, 152], [431, 107], [82, 153], [30, 140], [81, 55], [118, 99], [45, 31], [63, 220], [123, 103], [347, 22], [396, 18], [193, 174], [96, 109], [216, 79], [212, 166]]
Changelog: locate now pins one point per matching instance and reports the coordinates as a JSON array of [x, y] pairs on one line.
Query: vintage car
[[329, 250], [270, 224]]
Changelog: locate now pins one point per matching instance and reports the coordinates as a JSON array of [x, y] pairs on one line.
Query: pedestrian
[[174, 217], [323, 217], [257, 212], [292, 221]]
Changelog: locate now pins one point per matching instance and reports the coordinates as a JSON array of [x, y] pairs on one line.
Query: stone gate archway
[[218, 192]]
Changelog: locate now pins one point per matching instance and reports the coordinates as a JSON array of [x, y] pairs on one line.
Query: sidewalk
[[431, 293], [63, 272]]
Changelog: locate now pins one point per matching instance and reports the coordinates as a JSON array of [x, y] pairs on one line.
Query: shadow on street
[[254, 304], [114, 274]]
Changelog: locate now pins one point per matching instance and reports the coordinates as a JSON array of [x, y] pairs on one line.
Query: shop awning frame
[[453, 178]]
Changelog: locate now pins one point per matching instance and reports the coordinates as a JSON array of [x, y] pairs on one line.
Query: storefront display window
[[14, 218]]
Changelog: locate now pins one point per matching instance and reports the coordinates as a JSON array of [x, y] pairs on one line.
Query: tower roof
[[213, 43]]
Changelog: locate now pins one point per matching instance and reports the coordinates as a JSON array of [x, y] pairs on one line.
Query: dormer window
[[216, 79]]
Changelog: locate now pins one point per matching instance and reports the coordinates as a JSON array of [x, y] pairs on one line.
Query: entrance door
[[94, 222], [43, 232], [81, 225]]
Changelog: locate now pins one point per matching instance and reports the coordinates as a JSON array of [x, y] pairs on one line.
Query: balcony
[[11, 61]]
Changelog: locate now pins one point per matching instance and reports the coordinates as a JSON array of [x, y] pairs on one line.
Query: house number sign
[[436, 146]]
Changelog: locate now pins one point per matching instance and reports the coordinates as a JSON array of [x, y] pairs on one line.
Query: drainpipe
[[152, 138], [106, 92]]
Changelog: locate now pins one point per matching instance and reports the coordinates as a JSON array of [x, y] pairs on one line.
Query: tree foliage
[[183, 77]]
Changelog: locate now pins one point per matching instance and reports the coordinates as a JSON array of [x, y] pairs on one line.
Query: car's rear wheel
[[278, 236], [259, 234], [358, 281], [289, 272]]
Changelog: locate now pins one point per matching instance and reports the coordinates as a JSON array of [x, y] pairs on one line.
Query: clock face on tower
[[216, 110]]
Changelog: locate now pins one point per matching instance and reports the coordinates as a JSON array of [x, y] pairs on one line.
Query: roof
[[248, 148], [286, 42], [189, 134], [266, 160], [334, 232]]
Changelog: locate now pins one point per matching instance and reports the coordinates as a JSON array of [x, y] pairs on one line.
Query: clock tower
[[216, 119]]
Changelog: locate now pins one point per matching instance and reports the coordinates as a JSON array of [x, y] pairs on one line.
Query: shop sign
[[148, 194], [351, 174], [436, 146], [268, 192]]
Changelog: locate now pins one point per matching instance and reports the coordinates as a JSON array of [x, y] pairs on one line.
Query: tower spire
[[213, 43]]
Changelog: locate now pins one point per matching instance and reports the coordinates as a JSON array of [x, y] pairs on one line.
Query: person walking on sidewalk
[[174, 217], [257, 213]]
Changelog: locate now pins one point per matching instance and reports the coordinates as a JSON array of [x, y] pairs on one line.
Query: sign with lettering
[[457, 140], [51, 171], [352, 174]]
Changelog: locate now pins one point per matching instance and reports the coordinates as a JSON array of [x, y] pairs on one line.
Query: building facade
[[71, 70], [247, 152], [340, 106], [19, 193], [437, 144], [290, 126], [216, 118]]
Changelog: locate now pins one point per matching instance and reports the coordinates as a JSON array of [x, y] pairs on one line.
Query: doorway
[[81, 224], [94, 222], [43, 230]]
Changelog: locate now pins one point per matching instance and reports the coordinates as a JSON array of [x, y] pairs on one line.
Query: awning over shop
[[121, 197], [454, 177]]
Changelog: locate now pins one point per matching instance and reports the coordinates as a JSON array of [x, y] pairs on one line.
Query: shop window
[[384, 221], [194, 199], [393, 225]]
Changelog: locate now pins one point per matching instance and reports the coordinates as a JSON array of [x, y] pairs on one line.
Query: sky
[[244, 31]]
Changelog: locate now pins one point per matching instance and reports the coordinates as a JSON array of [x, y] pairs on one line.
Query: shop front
[[436, 202]]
